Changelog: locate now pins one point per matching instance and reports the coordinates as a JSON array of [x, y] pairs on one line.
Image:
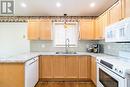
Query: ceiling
[[69, 7]]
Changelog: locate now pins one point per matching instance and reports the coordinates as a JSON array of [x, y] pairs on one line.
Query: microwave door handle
[[123, 32], [125, 27], [120, 32]]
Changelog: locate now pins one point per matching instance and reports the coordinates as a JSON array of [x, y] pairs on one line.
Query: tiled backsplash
[[114, 48], [48, 46], [109, 48]]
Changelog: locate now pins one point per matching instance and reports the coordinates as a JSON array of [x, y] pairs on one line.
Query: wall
[[13, 39], [109, 48], [47, 46], [114, 48]]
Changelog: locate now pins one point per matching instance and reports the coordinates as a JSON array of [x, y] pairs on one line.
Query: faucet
[[67, 44]]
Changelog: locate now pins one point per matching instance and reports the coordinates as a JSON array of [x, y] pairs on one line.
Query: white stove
[[114, 71]]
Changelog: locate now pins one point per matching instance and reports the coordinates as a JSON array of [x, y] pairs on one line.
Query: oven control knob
[[116, 69], [120, 71]]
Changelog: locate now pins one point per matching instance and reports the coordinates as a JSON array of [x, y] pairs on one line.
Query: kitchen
[[60, 44]]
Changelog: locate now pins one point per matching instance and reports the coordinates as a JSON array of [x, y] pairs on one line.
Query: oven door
[[107, 78]]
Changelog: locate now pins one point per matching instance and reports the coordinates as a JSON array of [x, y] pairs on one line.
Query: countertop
[[22, 58]]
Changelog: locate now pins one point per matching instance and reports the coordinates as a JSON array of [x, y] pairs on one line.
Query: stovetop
[[121, 64]]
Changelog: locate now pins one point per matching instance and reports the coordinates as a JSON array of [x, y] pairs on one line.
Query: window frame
[[53, 34]]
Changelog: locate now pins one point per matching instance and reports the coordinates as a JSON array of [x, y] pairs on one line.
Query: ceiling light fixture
[[23, 5], [58, 4], [92, 5]]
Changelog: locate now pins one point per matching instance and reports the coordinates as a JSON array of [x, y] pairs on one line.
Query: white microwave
[[118, 32]]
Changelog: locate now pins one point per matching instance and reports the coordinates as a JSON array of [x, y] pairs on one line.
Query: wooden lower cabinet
[[58, 66], [93, 70], [72, 69], [65, 84], [19, 74], [65, 67], [71, 84], [46, 67], [11, 75], [84, 67], [85, 84]]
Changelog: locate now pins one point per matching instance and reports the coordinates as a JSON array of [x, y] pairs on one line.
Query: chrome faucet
[[67, 45]]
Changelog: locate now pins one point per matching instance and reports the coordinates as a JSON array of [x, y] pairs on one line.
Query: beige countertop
[[27, 56], [23, 58]]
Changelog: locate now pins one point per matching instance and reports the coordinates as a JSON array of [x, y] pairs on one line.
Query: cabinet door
[[87, 29], [115, 13], [58, 66], [72, 68], [93, 70], [127, 8], [46, 67], [33, 30], [101, 23], [45, 29], [12, 75], [104, 24], [99, 29], [84, 67]]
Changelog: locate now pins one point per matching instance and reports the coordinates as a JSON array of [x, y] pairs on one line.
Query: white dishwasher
[[31, 72]]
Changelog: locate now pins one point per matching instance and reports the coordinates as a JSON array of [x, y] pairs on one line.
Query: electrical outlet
[[109, 47], [24, 36], [87, 46], [43, 45]]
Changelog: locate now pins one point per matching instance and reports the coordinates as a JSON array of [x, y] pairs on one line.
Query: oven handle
[[104, 66], [101, 66]]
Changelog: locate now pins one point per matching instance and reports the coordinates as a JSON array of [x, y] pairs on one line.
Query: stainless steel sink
[[66, 52]]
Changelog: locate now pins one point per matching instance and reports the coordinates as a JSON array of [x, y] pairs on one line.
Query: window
[[61, 34]]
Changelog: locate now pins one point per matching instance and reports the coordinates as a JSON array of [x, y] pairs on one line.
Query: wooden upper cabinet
[[98, 29], [72, 70], [100, 24], [58, 66], [126, 7], [105, 23], [86, 29], [39, 29], [84, 67], [45, 29], [93, 70], [115, 13], [33, 29]]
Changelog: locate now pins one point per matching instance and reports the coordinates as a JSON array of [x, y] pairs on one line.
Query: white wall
[[13, 39]]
